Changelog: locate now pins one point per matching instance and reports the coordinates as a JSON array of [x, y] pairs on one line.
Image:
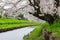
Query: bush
[[20, 16]]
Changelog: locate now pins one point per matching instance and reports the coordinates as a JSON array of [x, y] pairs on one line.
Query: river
[[16, 34]]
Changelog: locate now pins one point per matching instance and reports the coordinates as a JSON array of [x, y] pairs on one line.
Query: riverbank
[[11, 24], [36, 34], [13, 28]]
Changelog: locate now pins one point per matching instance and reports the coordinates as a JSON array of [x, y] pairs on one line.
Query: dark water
[[17, 34]]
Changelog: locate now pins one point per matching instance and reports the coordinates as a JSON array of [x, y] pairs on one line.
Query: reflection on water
[[17, 34]]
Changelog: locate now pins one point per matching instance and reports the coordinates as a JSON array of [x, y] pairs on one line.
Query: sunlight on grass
[[10, 23]]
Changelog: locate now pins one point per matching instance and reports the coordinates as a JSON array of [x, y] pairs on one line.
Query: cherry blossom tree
[[48, 15]]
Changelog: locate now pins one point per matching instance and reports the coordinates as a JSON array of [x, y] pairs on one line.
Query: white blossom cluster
[[15, 7]]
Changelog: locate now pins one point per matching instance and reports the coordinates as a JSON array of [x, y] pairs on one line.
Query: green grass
[[21, 23], [55, 28], [4, 20], [36, 34]]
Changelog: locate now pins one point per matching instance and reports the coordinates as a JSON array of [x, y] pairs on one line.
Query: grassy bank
[[14, 23], [36, 34], [8, 20]]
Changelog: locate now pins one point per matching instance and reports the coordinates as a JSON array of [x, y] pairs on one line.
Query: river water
[[16, 34]]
